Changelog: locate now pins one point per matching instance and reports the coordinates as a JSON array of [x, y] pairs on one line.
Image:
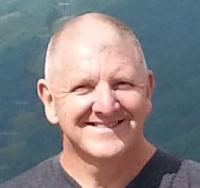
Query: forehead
[[107, 61], [99, 46], [94, 46], [102, 43], [92, 33]]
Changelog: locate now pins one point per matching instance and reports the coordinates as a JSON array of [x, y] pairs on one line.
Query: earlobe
[[45, 95]]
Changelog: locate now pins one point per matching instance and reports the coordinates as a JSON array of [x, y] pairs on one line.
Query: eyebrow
[[81, 80]]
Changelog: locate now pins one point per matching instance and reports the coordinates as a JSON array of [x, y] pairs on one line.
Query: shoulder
[[191, 170], [35, 177], [188, 176]]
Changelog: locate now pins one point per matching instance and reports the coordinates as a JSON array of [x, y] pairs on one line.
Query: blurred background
[[170, 35]]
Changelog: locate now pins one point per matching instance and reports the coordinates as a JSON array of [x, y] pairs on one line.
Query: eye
[[123, 86], [82, 89]]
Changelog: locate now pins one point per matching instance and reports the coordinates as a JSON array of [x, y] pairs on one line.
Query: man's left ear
[[46, 96], [150, 84]]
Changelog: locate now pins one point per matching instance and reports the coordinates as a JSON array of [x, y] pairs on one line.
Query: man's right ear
[[45, 95]]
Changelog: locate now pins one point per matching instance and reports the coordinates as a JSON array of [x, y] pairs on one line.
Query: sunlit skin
[[100, 95]]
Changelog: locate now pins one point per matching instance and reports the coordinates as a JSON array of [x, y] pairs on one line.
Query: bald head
[[80, 24], [97, 31]]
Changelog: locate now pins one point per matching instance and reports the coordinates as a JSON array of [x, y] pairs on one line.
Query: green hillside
[[169, 32]]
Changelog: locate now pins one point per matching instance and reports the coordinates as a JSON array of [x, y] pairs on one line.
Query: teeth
[[106, 125]]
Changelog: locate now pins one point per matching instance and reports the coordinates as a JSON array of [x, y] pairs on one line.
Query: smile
[[102, 124]]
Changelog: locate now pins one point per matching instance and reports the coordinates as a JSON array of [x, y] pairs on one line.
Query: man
[[97, 89]]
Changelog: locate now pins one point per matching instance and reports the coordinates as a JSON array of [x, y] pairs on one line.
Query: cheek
[[72, 108], [135, 103]]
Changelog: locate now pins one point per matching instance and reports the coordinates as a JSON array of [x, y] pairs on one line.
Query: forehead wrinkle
[[125, 71], [79, 74]]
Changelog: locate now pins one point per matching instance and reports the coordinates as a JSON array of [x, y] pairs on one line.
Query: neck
[[115, 172]]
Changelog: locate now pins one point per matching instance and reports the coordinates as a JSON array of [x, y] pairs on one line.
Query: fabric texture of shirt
[[161, 171]]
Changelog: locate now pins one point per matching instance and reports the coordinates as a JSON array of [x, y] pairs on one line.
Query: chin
[[106, 150]]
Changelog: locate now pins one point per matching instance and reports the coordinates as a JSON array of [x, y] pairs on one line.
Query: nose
[[105, 101]]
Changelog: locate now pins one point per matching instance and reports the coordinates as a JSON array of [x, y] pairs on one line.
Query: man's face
[[102, 97]]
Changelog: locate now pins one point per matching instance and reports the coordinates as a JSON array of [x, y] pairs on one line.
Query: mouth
[[102, 124]]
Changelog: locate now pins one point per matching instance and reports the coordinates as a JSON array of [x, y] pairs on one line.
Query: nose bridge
[[104, 100]]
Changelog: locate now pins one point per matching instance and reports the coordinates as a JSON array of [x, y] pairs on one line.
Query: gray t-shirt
[[161, 171]]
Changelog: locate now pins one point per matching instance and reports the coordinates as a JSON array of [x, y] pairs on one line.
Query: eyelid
[[125, 84], [82, 89]]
